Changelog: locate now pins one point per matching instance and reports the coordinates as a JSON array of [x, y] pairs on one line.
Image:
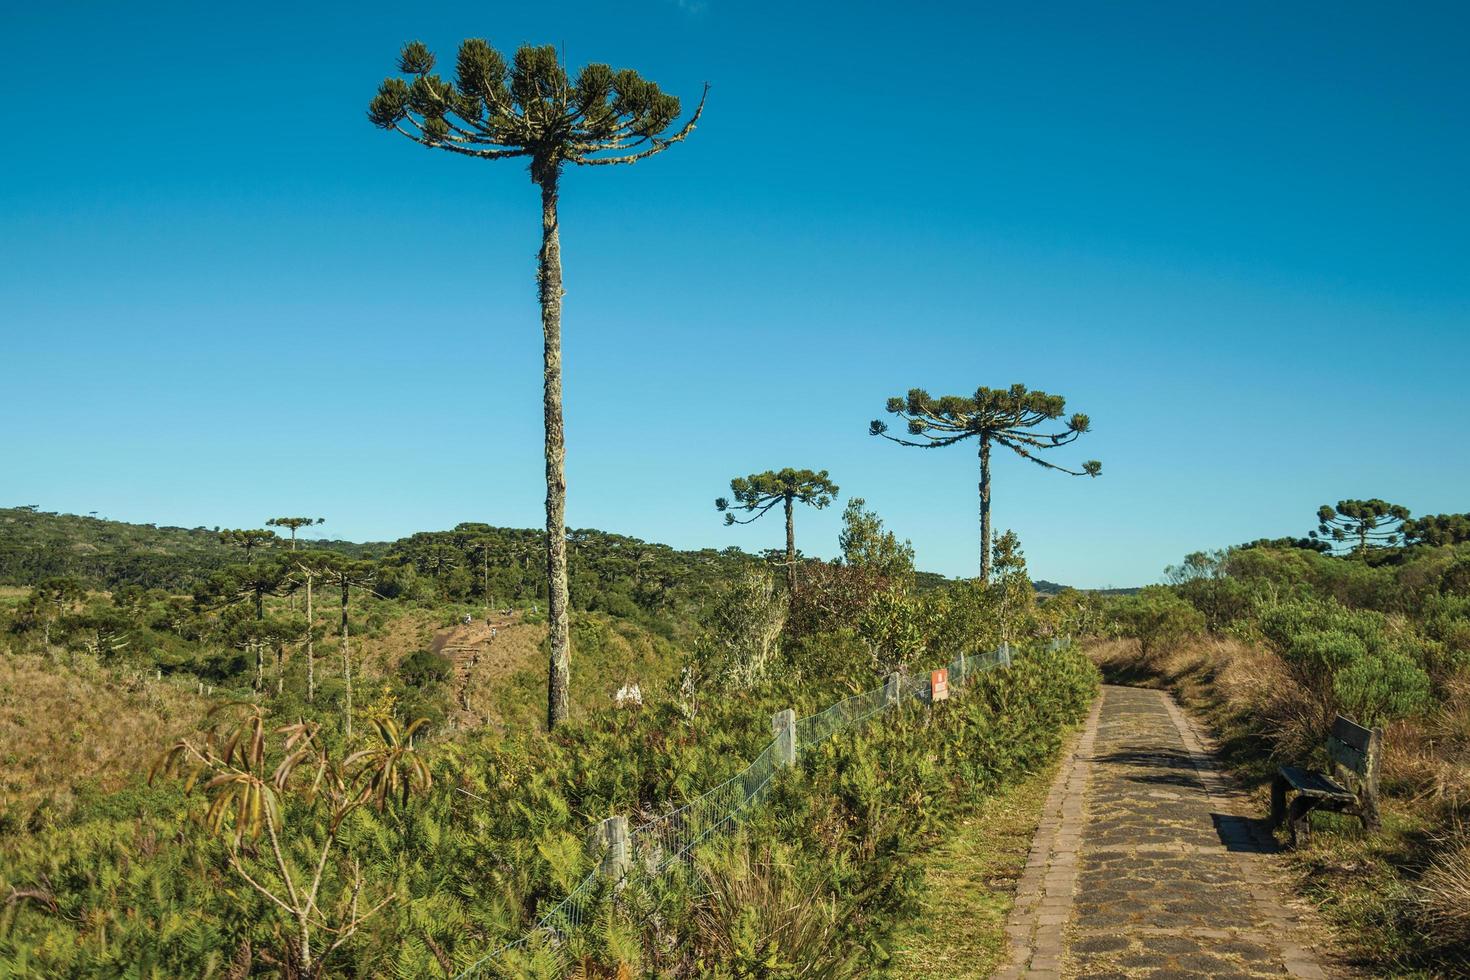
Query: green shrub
[[1158, 617]]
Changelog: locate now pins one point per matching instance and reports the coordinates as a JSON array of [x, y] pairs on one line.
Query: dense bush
[[820, 873], [1158, 617], [503, 832]]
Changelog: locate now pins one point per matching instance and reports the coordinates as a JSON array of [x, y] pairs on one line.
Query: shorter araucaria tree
[[48, 602], [1007, 417], [1361, 524], [248, 539], [758, 493], [285, 786]]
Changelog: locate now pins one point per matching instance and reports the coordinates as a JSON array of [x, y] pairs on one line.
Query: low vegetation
[[337, 788], [1272, 640]]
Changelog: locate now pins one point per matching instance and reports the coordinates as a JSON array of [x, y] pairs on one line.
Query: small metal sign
[[939, 685]]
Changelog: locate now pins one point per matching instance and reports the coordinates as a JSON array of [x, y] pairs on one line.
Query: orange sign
[[939, 685]]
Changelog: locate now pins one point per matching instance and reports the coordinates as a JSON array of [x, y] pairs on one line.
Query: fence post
[[892, 685], [1004, 659], [612, 837], [783, 726]]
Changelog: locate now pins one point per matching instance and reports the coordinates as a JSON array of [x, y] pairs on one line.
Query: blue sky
[[1234, 234]]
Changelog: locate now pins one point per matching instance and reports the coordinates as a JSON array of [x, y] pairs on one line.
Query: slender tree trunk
[[558, 679], [280, 667], [984, 509], [259, 651], [790, 547], [346, 661], [310, 647]]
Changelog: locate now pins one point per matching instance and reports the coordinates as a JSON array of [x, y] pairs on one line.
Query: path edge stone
[[1046, 888]]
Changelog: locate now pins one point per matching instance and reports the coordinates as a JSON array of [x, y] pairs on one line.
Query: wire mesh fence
[[658, 844]]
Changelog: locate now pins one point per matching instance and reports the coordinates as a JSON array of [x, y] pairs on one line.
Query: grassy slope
[[969, 885], [65, 726]]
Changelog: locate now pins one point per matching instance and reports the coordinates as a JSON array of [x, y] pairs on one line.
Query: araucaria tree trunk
[[346, 662], [984, 510], [310, 647], [545, 173], [790, 546]]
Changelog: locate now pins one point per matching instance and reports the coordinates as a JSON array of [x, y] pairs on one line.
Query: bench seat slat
[[1310, 783]]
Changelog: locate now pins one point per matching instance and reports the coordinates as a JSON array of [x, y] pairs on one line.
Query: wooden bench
[[1352, 788]]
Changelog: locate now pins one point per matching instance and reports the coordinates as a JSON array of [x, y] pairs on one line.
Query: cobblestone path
[[1147, 862]]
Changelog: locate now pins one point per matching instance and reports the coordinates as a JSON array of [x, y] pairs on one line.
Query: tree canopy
[[865, 543], [1008, 417], [1369, 523], [528, 106], [1437, 529], [757, 493]]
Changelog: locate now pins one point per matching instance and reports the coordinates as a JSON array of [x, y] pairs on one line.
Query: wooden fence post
[[612, 837], [783, 726], [892, 685]]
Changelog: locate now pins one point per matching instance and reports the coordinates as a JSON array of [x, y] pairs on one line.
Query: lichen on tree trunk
[[545, 173], [346, 661], [984, 510], [790, 546]]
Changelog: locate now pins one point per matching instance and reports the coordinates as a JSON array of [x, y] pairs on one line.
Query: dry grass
[[64, 725], [1444, 890]]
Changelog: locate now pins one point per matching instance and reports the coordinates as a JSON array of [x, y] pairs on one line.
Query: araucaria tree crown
[[528, 107], [758, 493], [1008, 417], [1367, 522]]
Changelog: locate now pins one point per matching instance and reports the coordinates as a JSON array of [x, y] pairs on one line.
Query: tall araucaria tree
[[995, 417], [530, 108], [758, 493], [346, 574], [293, 523], [1371, 523]]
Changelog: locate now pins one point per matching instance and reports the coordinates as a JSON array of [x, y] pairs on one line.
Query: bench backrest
[[1356, 748]]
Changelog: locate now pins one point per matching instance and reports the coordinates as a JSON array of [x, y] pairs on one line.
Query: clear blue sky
[[1235, 234]]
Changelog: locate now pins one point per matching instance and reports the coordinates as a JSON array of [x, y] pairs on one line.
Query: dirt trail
[[479, 652]]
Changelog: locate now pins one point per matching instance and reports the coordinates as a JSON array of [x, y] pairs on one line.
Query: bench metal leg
[[1278, 801]]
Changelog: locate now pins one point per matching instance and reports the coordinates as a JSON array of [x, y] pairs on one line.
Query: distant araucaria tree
[[995, 416], [530, 108], [293, 523], [758, 493], [1368, 522], [248, 540]]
